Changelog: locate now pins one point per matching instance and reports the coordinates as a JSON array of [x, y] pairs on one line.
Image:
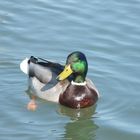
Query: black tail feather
[[33, 60]]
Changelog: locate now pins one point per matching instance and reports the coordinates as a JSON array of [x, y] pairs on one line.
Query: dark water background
[[108, 32]]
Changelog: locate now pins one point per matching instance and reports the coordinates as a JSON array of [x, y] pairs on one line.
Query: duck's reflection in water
[[81, 125]]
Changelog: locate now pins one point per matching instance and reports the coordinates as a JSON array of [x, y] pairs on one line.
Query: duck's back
[[45, 71]]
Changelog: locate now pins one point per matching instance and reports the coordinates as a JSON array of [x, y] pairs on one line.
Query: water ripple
[[106, 31]]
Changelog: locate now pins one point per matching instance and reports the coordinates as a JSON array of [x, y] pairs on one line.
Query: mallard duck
[[54, 82]]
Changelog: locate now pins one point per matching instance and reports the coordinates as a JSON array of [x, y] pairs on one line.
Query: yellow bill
[[65, 73]]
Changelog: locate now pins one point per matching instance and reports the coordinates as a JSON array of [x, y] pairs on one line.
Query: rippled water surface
[[108, 32]]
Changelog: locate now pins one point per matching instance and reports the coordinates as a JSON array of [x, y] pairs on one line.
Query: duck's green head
[[77, 65]]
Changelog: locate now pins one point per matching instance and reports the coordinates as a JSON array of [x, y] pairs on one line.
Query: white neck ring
[[78, 84]]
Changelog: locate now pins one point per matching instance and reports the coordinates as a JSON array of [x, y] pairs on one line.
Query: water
[[108, 32]]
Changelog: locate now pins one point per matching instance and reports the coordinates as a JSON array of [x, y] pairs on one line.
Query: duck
[[65, 84]]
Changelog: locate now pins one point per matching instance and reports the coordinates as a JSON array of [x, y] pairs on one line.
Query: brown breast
[[78, 96]]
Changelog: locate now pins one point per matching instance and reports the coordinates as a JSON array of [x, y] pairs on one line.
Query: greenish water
[[108, 32]]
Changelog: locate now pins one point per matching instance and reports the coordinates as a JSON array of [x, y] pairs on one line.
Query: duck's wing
[[45, 71]]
